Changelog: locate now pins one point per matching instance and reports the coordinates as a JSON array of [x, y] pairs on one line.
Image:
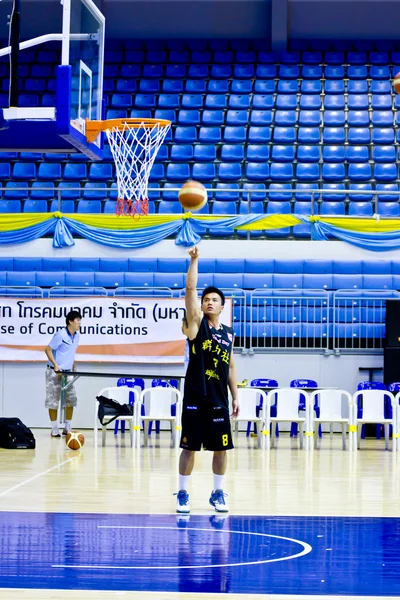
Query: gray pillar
[[279, 22]]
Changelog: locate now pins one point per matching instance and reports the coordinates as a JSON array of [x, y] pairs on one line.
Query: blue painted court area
[[203, 554]]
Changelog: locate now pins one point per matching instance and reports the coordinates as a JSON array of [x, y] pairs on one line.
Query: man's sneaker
[[182, 502], [55, 433], [66, 431], [217, 500]]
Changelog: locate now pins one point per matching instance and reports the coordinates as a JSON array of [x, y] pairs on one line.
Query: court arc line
[[18, 485], [306, 550]]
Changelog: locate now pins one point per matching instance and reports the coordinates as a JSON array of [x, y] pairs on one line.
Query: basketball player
[[211, 369], [61, 357]]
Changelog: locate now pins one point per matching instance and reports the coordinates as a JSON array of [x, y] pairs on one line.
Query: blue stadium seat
[[311, 86], [303, 197], [162, 153], [333, 192], [379, 72], [21, 278], [35, 206], [286, 102], [262, 134], [203, 171], [267, 72], [175, 86], [89, 206], [100, 171], [238, 117], [69, 190], [252, 208], [334, 135], [290, 86], [229, 171], [257, 171], [156, 71], [16, 190], [224, 194], [213, 117], [179, 56], [380, 87], [357, 72], [126, 71], [357, 154], [95, 190], [244, 86], [189, 117], [168, 194], [201, 56], [334, 58], [223, 208], [389, 209], [280, 192], [124, 101], [309, 102], [178, 172], [256, 192], [10, 206], [384, 154], [359, 135], [288, 72], [333, 154], [334, 118], [190, 101], [181, 152], [332, 208], [309, 135], [204, 152], [23, 171], [307, 171], [35, 85], [290, 57], [29, 100], [358, 101], [242, 101], [262, 101], [382, 118], [164, 101], [5, 170], [232, 152], [283, 135], [366, 196], [215, 101], [128, 86], [391, 192], [386, 172], [312, 72], [381, 101], [285, 117], [210, 135], [283, 153], [116, 113], [46, 193], [221, 71], [224, 57], [358, 87], [358, 118], [359, 172], [234, 134], [185, 135], [198, 71], [257, 152], [156, 173], [308, 153], [75, 171], [333, 172], [312, 58], [334, 86], [140, 113], [382, 135], [169, 207], [281, 171], [302, 231], [264, 86], [360, 209], [334, 102], [334, 72]]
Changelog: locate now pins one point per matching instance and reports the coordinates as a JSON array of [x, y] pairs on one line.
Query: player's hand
[[194, 252], [235, 409], [57, 369]]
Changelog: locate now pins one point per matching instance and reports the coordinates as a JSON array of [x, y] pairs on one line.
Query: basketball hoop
[[134, 144]]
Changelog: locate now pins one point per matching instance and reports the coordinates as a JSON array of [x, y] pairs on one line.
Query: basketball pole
[[15, 22]]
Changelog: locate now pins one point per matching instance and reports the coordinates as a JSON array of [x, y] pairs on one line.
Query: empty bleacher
[[260, 123]]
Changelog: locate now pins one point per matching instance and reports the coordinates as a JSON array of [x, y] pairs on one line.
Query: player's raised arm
[[193, 312]]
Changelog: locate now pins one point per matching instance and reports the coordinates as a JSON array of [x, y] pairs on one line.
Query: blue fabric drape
[[21, 236], [377, 242]]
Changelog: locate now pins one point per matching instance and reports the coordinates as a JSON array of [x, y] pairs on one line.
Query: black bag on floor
[[14, 434], [109, 410]]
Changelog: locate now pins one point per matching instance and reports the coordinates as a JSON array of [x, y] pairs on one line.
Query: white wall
[[22, 386]]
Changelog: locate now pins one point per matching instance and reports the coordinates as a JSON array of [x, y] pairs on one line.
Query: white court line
[[306, 550], [15, 487]]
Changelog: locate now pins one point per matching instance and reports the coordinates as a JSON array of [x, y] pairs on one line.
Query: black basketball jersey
[[208, 370]]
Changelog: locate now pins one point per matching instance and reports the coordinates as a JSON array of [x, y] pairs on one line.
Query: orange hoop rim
[[93, 128]]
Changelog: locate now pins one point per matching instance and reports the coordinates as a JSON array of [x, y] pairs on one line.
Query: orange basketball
[[396, 82], [75, 440], [192, 195]]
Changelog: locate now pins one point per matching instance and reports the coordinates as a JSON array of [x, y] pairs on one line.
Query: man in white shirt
[[61, 357]]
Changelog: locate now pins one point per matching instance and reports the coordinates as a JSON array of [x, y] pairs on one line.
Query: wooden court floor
[[285, 482]]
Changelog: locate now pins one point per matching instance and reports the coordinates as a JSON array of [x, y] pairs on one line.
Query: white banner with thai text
[[131, 330]]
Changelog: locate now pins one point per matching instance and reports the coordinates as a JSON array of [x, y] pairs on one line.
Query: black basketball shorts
[[207, 425]]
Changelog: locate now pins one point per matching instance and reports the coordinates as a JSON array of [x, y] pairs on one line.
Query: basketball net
[[134, 150]]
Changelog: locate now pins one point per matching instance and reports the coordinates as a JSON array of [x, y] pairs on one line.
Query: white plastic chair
[[158, 402], [249, 402], [396, 433], [373, 411], [330, 404], [121, 395], [287, 409]]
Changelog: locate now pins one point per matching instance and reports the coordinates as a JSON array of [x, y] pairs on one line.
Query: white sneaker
[[182, 502], [217, 500]]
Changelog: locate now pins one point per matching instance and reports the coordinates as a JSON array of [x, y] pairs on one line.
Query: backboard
[[78, 84]]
